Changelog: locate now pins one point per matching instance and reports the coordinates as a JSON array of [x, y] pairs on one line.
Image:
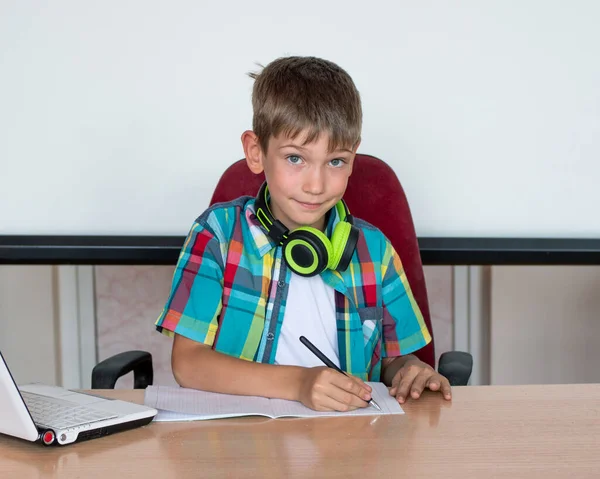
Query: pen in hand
[[330, 364]]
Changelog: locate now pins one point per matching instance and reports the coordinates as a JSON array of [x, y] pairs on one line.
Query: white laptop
[[55, 415]]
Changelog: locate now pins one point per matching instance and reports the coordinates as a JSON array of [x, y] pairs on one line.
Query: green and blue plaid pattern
[[230, 287]]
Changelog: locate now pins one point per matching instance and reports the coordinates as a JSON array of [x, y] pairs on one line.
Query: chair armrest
[[106, 373], [456, 366]]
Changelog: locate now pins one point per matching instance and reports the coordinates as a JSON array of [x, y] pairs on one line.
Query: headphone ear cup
[[339, 239], [343, 241], [307, 251]]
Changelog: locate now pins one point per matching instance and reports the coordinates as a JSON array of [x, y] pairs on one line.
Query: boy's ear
[[253, 152]]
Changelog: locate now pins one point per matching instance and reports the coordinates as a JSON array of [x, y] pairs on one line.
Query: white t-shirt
[[309, 312]]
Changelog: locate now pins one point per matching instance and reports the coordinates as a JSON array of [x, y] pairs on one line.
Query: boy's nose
[[314, 182]]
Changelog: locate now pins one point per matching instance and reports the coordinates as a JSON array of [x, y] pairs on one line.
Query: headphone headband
[[276, 230]]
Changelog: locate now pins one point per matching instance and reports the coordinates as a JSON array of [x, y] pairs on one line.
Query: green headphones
[[306, 250]]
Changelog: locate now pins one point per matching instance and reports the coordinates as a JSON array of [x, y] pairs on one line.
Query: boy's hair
[[292, 95]]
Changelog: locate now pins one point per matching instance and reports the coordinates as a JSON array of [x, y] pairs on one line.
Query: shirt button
[[270, 336], [281, 283]]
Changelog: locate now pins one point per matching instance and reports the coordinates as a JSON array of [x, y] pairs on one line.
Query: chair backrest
[[374, 194]]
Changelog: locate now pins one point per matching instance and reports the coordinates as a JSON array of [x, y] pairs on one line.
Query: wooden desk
[[486, 432]]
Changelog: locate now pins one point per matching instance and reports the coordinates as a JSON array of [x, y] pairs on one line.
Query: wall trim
[[472, 318], [77, 325], [88, 349], [164, 250]]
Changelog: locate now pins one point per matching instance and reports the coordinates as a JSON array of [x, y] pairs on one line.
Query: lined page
[[181, 404], [203, 404], [388, 404]]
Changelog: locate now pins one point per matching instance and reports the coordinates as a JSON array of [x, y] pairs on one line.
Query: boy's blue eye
[[337, 162], [294, 160]]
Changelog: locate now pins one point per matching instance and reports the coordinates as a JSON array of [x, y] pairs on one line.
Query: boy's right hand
[[325, 389]]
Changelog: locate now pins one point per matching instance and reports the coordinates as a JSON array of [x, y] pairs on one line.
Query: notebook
[[182, 404], [58, 416]]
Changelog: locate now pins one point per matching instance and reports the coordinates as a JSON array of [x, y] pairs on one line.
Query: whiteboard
[[118, 117]]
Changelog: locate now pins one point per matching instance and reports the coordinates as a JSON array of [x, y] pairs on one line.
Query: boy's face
[[305, 181]]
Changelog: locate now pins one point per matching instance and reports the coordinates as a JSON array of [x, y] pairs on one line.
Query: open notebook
[[181, 404]]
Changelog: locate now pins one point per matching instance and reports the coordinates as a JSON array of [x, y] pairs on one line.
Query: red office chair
[[374, 194]]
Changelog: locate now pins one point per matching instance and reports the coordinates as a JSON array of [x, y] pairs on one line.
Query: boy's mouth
[[309, 206]]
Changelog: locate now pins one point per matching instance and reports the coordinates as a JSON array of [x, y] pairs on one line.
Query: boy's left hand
[[413, 377]]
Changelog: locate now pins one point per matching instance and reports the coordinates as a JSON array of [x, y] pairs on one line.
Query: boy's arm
[[404, 331], [197, 366]]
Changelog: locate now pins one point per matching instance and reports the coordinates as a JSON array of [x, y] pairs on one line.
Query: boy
[[255, 274]]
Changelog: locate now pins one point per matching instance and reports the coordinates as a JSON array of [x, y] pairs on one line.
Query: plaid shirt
[[230, 288]]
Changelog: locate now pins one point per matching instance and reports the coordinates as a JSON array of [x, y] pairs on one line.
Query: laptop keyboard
[[60, 414]]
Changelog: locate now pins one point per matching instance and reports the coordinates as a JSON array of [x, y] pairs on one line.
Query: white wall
[[128, 111]]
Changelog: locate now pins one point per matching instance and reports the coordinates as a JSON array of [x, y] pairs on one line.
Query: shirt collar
[[261, 240]]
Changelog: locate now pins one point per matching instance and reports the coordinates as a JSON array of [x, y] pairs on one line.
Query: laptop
[[58, 416]]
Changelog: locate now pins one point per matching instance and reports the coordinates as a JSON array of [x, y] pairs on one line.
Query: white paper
[[181, 404], [172, 416]]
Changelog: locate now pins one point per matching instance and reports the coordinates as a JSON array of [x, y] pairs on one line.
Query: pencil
[[330, 364]]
